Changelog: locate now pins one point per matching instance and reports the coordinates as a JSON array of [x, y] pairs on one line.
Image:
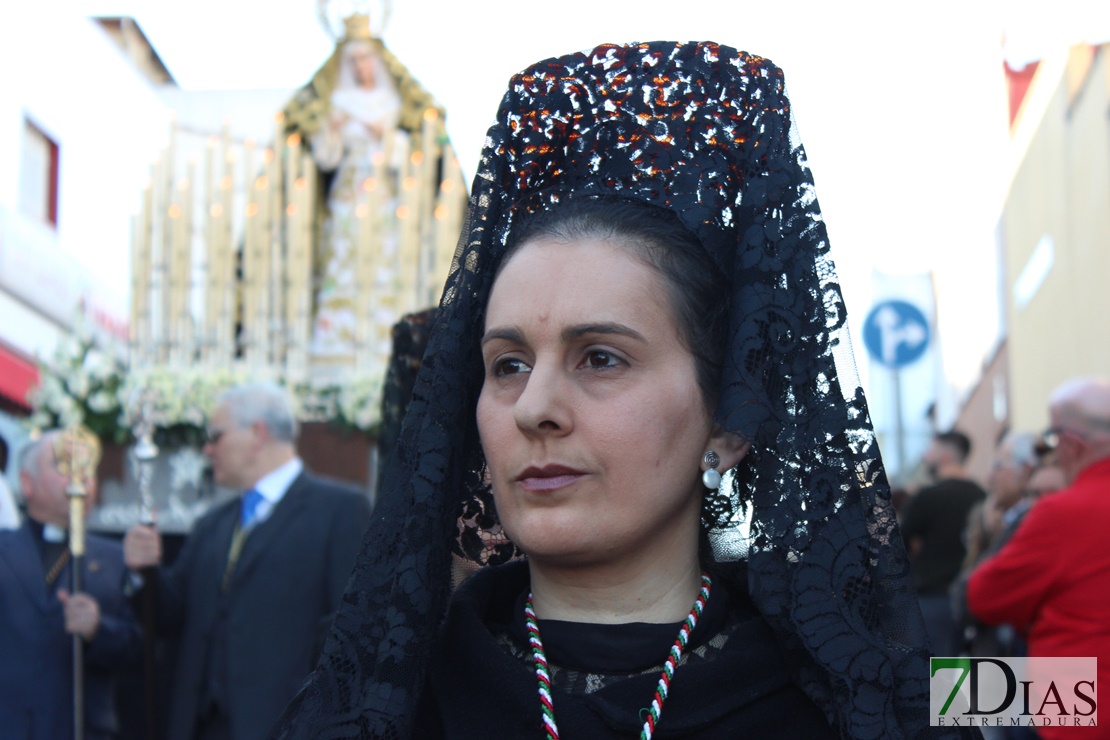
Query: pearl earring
[[711, 479]]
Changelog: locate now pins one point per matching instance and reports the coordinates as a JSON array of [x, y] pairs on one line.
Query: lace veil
[[705, 131]]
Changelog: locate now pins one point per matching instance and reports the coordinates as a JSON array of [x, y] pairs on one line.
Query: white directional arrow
[[895, 332]]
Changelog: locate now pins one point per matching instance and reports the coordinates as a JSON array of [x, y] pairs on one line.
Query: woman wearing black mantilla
[[642, 302]]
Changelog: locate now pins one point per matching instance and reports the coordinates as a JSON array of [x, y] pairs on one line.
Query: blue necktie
[[249, 508]]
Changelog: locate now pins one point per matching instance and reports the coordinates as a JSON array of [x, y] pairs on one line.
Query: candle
[[163, 237], [293, 268], [426, 167], [307, 191], [277, 257], [225, 338], [183, 268], [142, 351], [251, 263], [408, 215], [210, 272], [263, 281]]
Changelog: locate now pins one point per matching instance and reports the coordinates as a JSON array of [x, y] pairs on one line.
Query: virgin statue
[[356, 117]]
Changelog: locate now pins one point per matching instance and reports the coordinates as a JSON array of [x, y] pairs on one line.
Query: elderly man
[[1052, 579], [255, 585], [933, 526], [1008, 486], [38, 615], [989, 526]]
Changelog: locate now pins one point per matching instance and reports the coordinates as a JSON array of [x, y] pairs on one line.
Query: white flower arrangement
[[80, 386], [355, 406], [177, 401], [90, 385]]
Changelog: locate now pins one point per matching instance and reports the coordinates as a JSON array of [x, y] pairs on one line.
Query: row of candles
[[250, 232]]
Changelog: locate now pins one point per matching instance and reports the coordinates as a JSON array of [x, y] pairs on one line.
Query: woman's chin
[[567, 552], [553, 535]]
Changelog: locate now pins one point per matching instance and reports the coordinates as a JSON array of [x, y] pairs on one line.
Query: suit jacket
[[1052, 581], [36, 654], [286, 585]]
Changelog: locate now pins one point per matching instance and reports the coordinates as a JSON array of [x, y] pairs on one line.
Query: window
[[38, 179]]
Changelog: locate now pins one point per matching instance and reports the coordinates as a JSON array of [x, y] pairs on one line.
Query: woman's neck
[[655, 592]]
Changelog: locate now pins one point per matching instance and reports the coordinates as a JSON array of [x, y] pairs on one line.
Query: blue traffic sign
[[896, 333]]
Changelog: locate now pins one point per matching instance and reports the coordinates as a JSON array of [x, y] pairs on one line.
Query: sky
[[901, 106]]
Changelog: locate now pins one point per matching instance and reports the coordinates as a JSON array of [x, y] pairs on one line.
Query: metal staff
[[144, 454], [77, 451]]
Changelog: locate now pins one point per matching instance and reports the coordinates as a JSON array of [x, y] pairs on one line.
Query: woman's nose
[[544, 404]]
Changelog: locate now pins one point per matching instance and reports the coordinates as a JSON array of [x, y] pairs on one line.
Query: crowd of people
[[1019, 569], [634, 425]]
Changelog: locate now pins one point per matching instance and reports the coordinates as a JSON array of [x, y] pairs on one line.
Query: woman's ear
[[730, 447]]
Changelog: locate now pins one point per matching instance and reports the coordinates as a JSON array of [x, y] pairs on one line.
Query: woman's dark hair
[[698, 290]]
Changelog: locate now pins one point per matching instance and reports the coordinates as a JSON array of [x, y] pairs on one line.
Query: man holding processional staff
[[66, 628]]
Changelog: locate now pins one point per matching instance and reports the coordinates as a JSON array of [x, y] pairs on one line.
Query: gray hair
[[263, 402], [1086, 402], [1023, 448]]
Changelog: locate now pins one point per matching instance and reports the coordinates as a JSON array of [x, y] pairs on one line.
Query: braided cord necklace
[[543, 677]]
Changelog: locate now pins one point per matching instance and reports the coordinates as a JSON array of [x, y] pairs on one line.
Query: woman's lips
[[548, 478]]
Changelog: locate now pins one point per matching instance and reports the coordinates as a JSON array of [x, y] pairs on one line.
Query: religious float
[[291, 261]]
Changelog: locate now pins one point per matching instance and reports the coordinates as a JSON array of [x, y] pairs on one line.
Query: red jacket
[[1052, 581]]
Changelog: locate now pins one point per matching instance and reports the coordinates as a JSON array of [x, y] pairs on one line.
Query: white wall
[[65, 74]]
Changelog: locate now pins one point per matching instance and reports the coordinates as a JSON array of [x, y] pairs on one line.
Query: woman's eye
[[601, 358], [509, 366]]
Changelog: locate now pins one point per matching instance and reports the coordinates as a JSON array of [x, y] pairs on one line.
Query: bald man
[[1052, 579], [38, 614]]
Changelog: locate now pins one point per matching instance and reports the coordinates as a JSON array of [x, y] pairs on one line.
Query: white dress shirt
[[273, 486]]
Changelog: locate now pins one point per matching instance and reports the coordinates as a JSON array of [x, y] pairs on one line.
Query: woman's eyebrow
[[515, 335], [507, 333], [580, 330]]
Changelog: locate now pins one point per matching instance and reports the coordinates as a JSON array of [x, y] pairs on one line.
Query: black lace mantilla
[[705, 131]]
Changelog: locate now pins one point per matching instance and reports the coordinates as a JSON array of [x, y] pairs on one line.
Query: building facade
[[79, 124], [1056, 227]]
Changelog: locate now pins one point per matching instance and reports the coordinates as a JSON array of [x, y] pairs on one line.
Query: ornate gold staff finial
[[77, 452]]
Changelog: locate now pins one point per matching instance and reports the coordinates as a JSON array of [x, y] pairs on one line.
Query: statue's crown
[[357, 26]]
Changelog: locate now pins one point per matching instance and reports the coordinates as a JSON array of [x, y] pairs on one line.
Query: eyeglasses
[[212, 436], [1050, 438]]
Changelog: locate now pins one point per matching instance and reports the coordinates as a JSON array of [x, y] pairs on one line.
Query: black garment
[[938, 515], [410, 339], [732, 684], [36, 653]]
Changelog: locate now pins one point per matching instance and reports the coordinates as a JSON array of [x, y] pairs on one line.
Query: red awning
[[17, 377]]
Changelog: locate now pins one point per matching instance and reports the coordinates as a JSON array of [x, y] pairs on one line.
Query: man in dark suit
[[38, 614], [257, 581]]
